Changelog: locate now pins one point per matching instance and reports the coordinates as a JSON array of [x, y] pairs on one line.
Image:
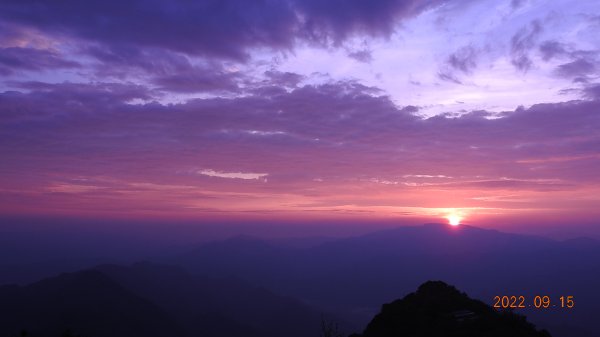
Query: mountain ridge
[[353, 275]]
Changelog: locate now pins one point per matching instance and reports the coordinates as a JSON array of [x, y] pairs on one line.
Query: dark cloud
[[85, 95], [517, 3], [581, 80], [522, 43], [213, 28], [364, 55], [578, 68], [335, 20], [448, 76], [552, 49], [170, 71], [15, 59], [464, 59], [582, 64], [594, 19], [124, 60], [199, 79], [283, 79], [592, 91]]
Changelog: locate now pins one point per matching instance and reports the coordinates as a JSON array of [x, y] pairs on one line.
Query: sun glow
[[454, 219]]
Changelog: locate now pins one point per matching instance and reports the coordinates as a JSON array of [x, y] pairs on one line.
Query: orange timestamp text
[[538, 302]]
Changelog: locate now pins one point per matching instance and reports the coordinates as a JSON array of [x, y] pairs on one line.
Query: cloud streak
[[14, 59], [233, 175]]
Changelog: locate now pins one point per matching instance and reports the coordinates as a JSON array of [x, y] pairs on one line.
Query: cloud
[[199, 79], [552, 49], [582, 64], [335, 121], [517, 3], [86, 94], [343, 133], [118, 60], [578, 68], [212, 28], [364, 55], [464, 59], [233, 175], [336, 20], [283, 79], [448, 76], [14, 59], [504, 183], [424, 176], [592, 91], [71, 188], [169, 71], [522, 42]]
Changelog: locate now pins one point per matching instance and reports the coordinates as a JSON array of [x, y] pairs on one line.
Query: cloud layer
[[222, 28], [316, 148]]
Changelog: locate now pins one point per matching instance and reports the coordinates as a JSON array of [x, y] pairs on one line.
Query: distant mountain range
[[246, 286], [353, 276]]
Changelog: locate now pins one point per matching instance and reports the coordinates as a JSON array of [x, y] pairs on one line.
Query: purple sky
[[301, 109]]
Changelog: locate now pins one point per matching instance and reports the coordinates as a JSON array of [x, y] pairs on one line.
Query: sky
[[233, 110]]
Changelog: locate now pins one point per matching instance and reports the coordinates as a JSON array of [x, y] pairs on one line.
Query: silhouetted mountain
[[38, 251], [353, 276], [302, 242], [150, 300], [440, 310], [245, 257], [86, 302], [185, 296]]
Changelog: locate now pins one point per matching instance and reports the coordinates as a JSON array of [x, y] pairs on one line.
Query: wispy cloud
[[522, 43], [233, 175]]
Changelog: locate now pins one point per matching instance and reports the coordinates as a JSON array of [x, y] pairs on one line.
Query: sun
[[454, 219]]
